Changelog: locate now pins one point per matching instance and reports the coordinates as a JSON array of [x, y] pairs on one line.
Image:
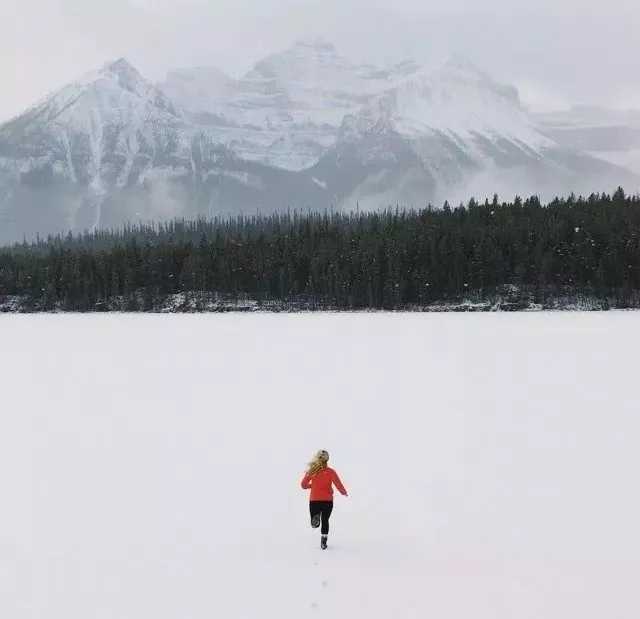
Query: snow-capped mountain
[[449, 133], [304, 128], [288, 109], [112, 148], [62, 158]]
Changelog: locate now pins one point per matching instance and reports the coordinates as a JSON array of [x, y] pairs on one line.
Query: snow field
[[150, 466]]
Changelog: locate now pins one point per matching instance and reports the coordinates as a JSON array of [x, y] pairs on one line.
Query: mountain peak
[[125, 74], [116, 88], [118, 66], [296, 63]]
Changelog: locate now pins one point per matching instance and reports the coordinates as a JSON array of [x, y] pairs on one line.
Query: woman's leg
[[327, 508], [315, 511]]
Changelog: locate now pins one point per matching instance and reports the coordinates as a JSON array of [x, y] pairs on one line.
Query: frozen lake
[[150, 466]]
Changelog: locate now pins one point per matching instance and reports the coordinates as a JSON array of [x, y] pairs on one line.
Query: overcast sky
[[556, 51]]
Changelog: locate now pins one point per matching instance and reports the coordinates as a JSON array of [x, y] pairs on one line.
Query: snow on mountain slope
[[199, 89], [320, 85], [114, 106], [460, 100], [81, 143], [112, 148], [412, 143], [491, 464], [305, 128], [471, 137], [287, 110]]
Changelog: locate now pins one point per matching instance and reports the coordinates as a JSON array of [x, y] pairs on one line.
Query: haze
[[570, 51]]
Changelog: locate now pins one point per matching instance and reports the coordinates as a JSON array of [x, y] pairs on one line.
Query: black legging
[[324, 508]]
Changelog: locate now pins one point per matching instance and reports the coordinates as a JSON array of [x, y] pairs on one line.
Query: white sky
[[557, 52]]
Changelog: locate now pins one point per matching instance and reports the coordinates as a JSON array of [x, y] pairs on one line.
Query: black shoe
[[323, 542], [315, 521]]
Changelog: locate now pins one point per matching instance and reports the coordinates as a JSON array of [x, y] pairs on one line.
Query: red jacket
[[322, 483]]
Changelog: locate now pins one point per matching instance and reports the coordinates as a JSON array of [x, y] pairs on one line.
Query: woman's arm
[[338, 484], [306, 482]]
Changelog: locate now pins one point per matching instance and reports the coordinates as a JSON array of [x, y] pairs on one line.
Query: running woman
[[320, 478]]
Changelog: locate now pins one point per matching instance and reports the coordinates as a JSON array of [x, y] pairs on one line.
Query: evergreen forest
[[506, 255]]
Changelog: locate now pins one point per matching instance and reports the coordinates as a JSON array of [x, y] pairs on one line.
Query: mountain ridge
[[304, 127]]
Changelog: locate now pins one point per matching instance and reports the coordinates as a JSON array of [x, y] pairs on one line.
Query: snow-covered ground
[[149, 466]]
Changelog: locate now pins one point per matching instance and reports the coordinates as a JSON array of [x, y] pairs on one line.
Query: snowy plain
[[150, 466]]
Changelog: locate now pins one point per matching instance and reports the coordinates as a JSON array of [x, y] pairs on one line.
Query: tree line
[[380, 260]]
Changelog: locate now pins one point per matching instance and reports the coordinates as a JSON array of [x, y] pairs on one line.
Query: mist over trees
[[520, 252]]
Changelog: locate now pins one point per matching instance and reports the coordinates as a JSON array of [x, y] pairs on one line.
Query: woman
[[321, 479]]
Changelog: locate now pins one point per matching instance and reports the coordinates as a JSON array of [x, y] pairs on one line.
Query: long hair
[[318, 463]]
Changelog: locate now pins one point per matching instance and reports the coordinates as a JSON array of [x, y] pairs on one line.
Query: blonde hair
[[318, 463]]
